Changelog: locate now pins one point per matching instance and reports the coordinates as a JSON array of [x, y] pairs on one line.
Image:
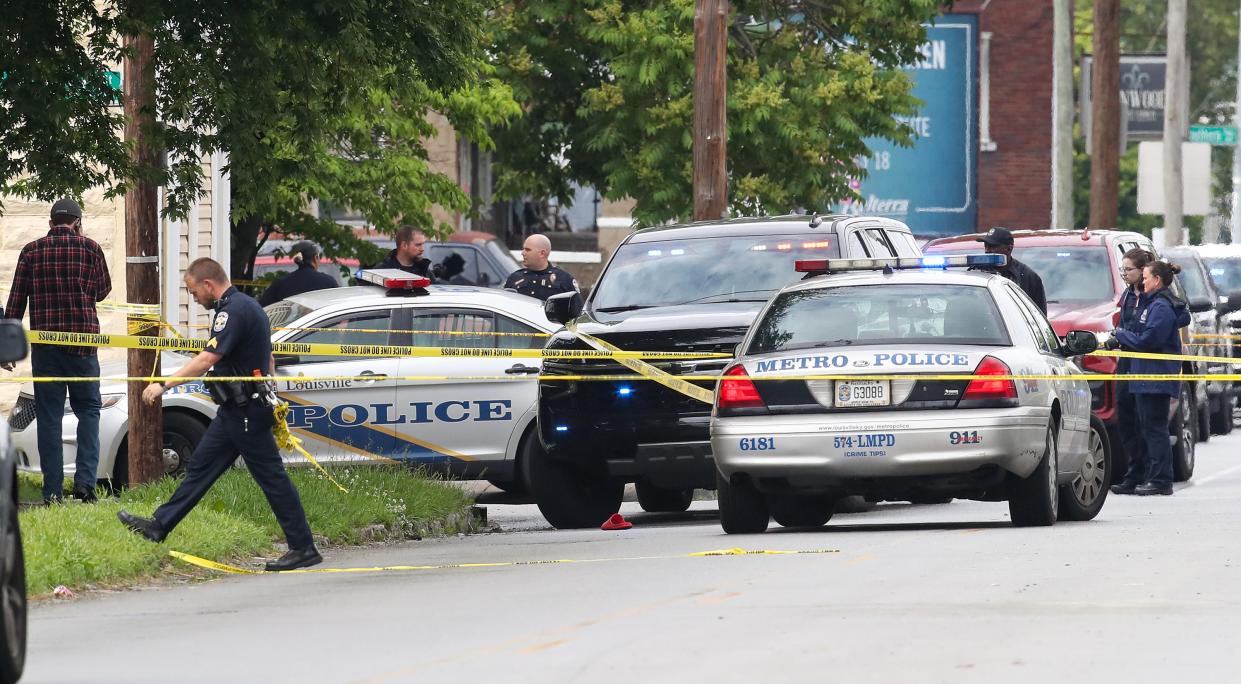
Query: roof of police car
[[435, 294], [771, 225], [913, 276]]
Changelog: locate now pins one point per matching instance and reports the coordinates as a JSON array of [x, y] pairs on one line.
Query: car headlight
[[106, 401]]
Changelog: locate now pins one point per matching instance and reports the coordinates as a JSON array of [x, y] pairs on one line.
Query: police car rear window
[[705, 270], [880, 314]]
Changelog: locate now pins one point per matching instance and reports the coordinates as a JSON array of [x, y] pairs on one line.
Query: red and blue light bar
[[933, 261]]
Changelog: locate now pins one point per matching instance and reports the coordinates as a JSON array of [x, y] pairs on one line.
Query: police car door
[[338, 417], [457, 419]]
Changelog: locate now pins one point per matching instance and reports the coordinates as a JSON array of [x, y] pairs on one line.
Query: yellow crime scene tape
[[646, 370], [234, 570]]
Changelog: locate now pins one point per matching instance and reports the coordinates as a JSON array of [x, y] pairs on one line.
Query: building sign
[[932, 185], [1142, 82]]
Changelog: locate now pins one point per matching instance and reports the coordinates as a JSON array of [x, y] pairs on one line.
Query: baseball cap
[[997, 237], [66, 207]]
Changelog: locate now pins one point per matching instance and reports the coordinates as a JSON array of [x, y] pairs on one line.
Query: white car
[[789, 449], [468, 427]]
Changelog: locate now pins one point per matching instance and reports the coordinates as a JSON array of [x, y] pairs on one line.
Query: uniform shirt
[[241, 333], [541, 284], [63, 274], [304, 279], [420, 267]]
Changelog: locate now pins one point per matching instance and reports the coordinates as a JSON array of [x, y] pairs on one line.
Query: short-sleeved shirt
[[241, 333], [541, 284]]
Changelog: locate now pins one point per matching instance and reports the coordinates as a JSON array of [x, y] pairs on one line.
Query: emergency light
[[936, 261], [392, 278]]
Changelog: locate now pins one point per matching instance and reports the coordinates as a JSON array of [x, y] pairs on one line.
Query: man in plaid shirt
[[63, 274]]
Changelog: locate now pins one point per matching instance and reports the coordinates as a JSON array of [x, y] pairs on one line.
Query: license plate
[[854, 393]]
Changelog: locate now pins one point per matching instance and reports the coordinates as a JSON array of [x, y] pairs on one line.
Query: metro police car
[[789, 448], [460, 425]]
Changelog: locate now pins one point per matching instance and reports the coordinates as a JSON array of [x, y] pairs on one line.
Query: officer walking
[[1000, 241], [306, 278], [240, 346], [539, 279]]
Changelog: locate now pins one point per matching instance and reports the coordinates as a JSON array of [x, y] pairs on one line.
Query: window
[[456, 265], [1044, 336], [880, 238], [1071, 274], [453, 329], [355, 328], [880, 314], [904, 243], [529, 337]]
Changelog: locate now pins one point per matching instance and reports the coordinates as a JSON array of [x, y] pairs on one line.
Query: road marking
[[1216, 476], [544, 646]]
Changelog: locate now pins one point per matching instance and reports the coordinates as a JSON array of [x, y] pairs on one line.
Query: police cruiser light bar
[[900, 263], [392, 278]]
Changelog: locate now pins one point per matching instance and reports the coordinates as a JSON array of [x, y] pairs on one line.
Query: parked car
[[1081, 276], [1223, 264], [682, 288], [13, 347]]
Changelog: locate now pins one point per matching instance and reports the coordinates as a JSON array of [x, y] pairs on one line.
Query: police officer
[[1000, 241], [240, 346], [539, 279], [306, 278]]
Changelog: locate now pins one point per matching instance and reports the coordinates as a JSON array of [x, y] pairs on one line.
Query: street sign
[[1215, 135]]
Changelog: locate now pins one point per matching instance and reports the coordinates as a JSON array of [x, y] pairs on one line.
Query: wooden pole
[[1105, 115], [710, 109], [145, 440]]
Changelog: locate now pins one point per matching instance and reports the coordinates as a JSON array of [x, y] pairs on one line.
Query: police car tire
[[13, 595], [1070, 507], [1184, 427], [567, 496], [743, 509], [802, 511], [654, 499], [1221, 417], [1033, 501], [183, 430]]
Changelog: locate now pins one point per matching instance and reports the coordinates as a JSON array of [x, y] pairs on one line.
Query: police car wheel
[[1221, 417], [743, 509], [662, 499], [12, 603], [1033, 501], [1184, 428], [802, 511], [1083, 498], [569, 497], [182, 433]]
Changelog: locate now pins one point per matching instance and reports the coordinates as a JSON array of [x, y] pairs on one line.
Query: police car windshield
[[284, 312], [705, 270], [1225, 272], [861, 315], [1070, 274]]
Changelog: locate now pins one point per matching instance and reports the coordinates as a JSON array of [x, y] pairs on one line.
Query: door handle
[[371, 376], [520, 369]]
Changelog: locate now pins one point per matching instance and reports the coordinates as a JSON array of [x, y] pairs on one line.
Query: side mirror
[[1080, 342], [13, 345], [562, 308], [1234, 302], [1200, 305], [287, 360]]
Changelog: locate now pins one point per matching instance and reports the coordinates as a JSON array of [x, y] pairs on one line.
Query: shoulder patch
[[221, 320], [212, 343]]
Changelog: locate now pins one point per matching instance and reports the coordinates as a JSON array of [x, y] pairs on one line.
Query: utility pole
[[710, 109], [1062, 117], [1177, 92], [1105, 115], [146, 462], [1236, 159]]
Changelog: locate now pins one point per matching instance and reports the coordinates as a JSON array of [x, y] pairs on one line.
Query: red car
[[1081, 275]]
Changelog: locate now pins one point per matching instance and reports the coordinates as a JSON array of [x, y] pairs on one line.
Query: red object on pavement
[[616, 522]]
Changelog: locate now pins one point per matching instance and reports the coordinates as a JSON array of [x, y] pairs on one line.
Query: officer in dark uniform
[[1000, 241], [307, 277], [539, 279], [240, 346]]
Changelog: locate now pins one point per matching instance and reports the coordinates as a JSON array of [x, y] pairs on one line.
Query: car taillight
[[1099, 364], [981, 388], [737, 391]]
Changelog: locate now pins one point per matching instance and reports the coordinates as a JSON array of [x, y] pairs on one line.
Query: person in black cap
[[62, 275], [1000, 241], [306, 278]]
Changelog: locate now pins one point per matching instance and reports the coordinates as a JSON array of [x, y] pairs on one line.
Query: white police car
[[459, 424], [789, 448]]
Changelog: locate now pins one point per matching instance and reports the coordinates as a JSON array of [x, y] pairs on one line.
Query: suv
[[1223, 264], [13, 347], [685, 288], [1081, 274]]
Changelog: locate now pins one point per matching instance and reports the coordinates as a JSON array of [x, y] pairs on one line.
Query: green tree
[[326, 100], [606, 86]]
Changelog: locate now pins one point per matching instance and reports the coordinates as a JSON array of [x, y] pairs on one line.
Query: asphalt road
[[1150, 589]]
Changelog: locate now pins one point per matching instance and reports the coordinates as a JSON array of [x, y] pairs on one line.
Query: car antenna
[[815, 220]]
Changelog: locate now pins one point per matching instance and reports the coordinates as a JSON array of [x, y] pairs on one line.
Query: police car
[[456, 423], [788, 447]]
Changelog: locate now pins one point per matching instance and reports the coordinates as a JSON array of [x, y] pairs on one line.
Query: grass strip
[[80, 545]]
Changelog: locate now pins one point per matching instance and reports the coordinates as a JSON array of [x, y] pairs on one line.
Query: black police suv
[[686, 288], [13, 347]]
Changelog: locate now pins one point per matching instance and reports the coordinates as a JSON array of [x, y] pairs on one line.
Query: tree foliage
[[607, 88]]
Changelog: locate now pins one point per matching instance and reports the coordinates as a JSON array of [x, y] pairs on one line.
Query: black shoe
[[147, 527], [50, 500], [294, 559], [84, 495], [1124, 488], [1152, 489]]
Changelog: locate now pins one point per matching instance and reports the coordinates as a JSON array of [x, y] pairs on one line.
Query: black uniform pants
[[228, 435]]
